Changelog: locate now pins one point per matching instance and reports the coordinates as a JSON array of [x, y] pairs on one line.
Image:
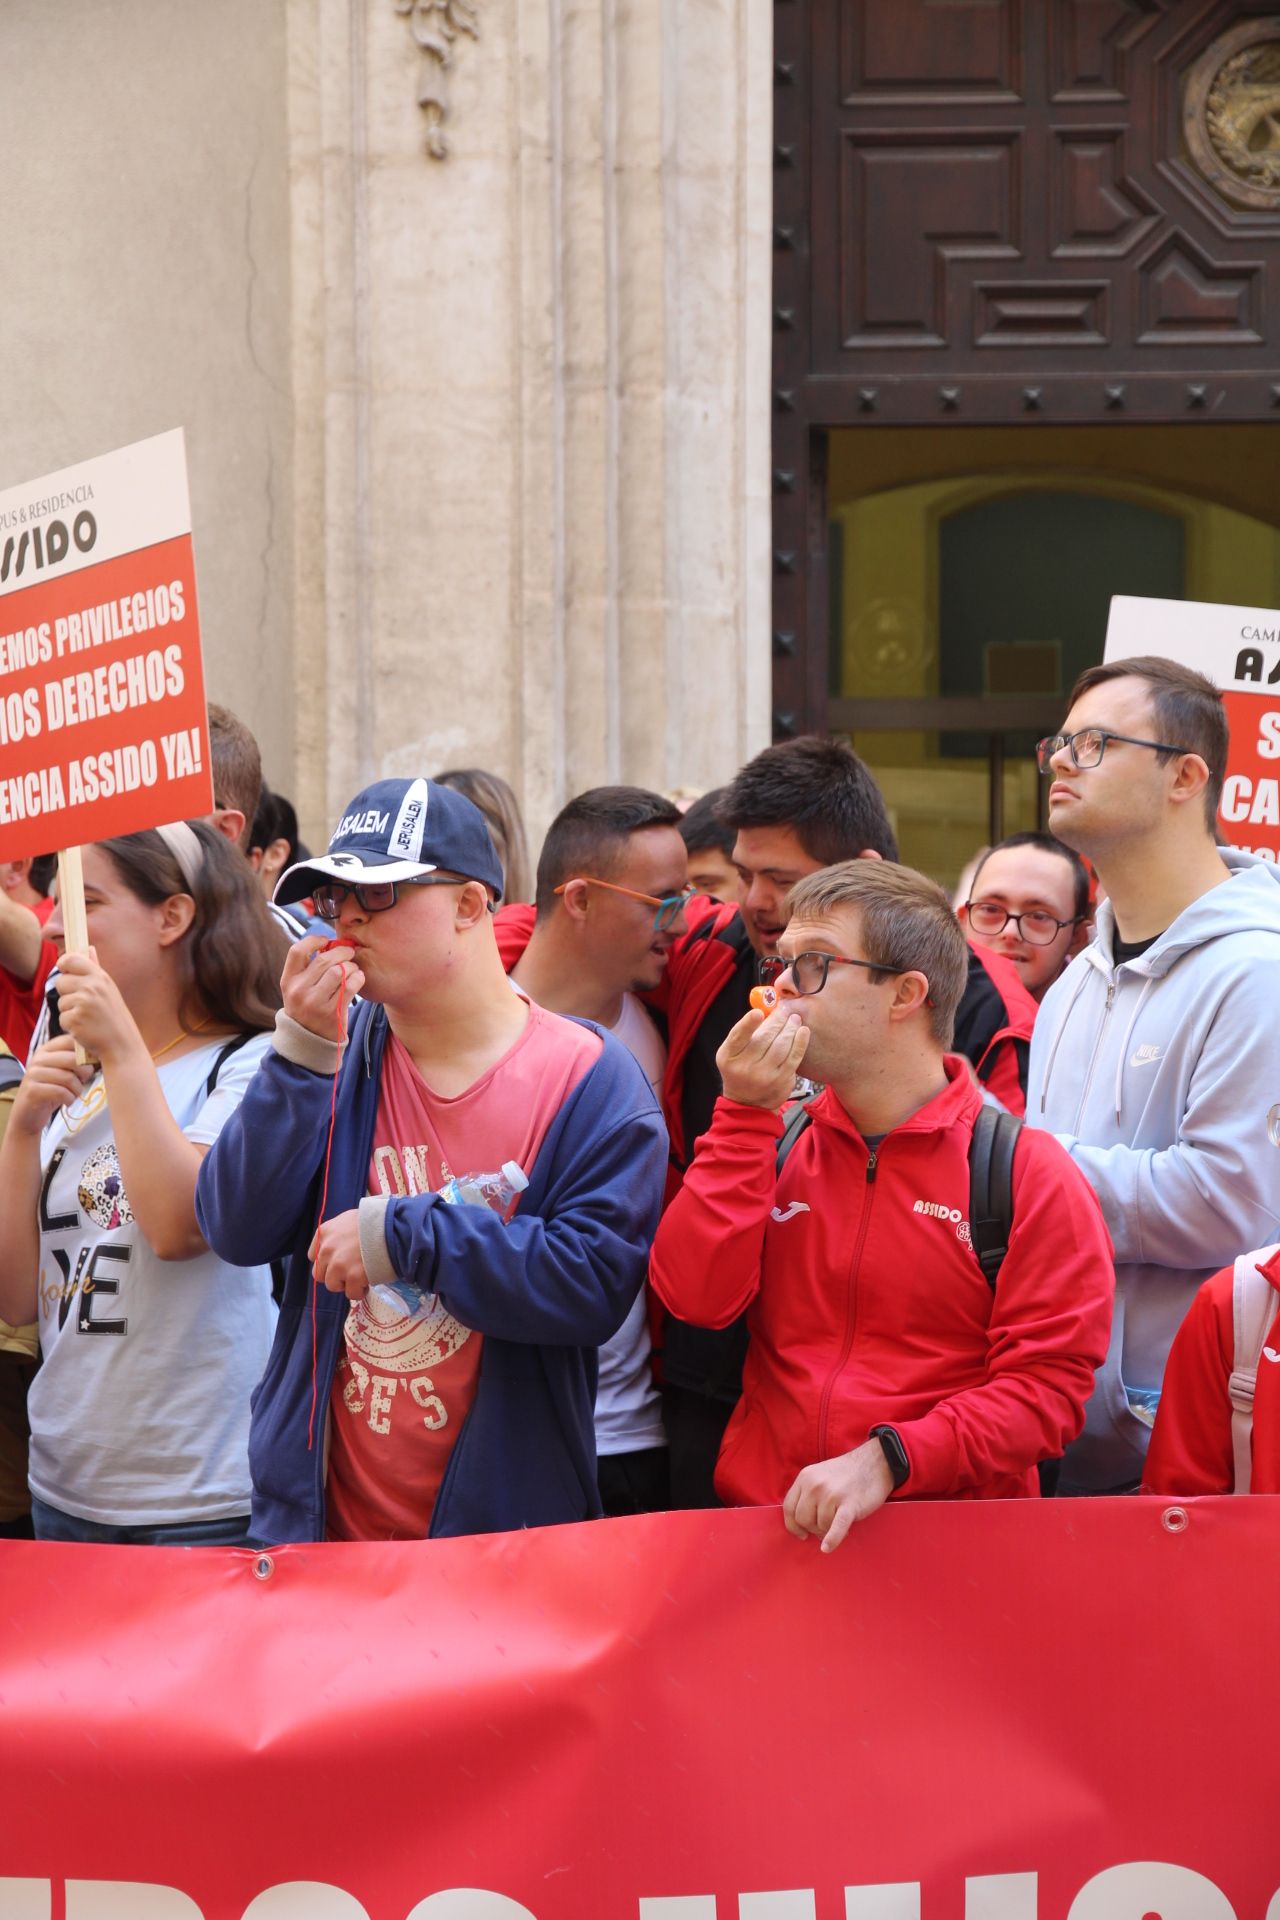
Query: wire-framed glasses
[[667, 907]]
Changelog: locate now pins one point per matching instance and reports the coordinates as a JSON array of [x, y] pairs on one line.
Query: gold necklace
[[94, 1097]]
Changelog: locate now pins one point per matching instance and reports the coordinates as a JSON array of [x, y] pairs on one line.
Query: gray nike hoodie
[[1159, 1076]]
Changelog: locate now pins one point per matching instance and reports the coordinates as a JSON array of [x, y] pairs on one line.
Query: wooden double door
[[1011, 214]]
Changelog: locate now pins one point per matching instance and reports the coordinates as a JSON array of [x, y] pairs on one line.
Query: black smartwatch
[[894, 1452]]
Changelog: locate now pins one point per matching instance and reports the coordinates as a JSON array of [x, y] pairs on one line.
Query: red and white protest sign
[[1238, 648], [975, 1710], [102, 709]]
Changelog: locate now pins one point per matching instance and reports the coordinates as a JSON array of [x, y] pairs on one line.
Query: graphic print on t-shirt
[[101, 1189], [393, 1354]]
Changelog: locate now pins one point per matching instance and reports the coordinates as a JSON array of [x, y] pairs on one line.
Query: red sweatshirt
[[866, 1304], [21, 1001], [1191, 1449]]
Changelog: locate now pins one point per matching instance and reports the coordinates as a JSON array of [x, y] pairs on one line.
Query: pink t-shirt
[[404, 1385]]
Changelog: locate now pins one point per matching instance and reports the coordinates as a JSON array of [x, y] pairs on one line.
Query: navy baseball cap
[[399, 830]]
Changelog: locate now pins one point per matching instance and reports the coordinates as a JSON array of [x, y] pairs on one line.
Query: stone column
[[532, 391]]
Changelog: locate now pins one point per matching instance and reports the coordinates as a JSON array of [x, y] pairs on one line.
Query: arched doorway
[[963, 608]]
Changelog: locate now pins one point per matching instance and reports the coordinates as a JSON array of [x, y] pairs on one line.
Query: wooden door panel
[[910, 188], [910, 210], [1089, 47], [1097, 210], [922, 49]]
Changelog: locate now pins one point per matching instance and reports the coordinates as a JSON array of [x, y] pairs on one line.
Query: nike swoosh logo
[[797, 1206], [1151, 1060], [1269, 1353]]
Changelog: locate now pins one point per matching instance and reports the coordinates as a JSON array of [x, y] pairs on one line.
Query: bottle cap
[[515, 1175]]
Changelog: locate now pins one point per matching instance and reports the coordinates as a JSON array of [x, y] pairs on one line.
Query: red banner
[[1001, 1711]]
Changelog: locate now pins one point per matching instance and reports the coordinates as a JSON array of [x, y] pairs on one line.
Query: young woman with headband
[[151, 1345]]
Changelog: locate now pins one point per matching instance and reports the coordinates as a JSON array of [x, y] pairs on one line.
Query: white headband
[[185, 847]]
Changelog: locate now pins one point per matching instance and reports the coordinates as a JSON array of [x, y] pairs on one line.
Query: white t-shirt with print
[[140, 1411]]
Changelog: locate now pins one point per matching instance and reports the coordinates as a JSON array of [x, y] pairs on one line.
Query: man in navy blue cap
[[484, 1179]]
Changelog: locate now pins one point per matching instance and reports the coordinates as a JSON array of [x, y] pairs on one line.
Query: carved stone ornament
[[435, 26], [1231, 114]]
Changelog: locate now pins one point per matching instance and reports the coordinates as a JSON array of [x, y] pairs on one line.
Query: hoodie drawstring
[[1062, 1028], [1147, 985]]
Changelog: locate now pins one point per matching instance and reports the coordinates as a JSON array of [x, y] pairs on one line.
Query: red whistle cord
[[324, 1195]]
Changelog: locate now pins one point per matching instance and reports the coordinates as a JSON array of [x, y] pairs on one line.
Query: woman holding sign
[[151, 1345]]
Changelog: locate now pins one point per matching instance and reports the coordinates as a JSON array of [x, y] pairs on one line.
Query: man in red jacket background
[[880, 1359]]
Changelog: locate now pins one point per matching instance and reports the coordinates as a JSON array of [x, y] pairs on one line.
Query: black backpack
[[995, 1135]]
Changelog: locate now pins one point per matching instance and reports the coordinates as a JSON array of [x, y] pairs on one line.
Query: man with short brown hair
[[881, 1358], [1156, 1055], [237, 775]]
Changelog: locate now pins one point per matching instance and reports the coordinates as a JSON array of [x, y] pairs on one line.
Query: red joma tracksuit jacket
[[866, 1304]]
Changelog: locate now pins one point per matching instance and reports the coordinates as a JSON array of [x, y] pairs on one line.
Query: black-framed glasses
[[809, 970], [330, 896], [1036, 927], [1090, 743]]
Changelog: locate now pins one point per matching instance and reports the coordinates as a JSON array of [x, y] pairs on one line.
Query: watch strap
[[894, 1452]]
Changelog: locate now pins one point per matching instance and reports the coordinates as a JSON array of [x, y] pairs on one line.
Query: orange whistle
[[766, 999]]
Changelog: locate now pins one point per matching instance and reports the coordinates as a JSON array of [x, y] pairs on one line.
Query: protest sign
[[103, 726], [1238, 648], [974, 1710]]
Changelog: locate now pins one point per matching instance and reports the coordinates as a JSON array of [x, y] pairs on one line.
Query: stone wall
[[532, 391], [146, 244], [479, 438]]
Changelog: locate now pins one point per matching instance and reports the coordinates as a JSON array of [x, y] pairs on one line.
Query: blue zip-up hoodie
[[1158, 1076], [546, 1288]]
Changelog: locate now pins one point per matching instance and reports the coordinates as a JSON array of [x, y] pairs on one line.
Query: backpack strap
[[796, 1118], [1253, 1308], [995, 1135], [224, 1054]]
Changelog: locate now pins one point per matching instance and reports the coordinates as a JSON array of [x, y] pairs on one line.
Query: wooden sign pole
[[75, 921]]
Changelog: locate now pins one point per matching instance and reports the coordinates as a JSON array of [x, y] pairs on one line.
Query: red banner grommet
[[263, 1567], [1175, 1519]]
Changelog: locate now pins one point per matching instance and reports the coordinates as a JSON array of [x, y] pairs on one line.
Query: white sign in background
[[1203, 634]]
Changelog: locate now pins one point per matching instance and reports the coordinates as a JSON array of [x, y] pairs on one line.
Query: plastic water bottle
[[496, 1190], [1143, 1402], [401, 1299]]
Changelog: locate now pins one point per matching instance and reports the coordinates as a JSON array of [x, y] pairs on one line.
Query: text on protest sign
[[102, 706], [1238, 648]]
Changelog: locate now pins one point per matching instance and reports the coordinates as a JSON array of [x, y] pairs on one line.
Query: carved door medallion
[[1232, 114]]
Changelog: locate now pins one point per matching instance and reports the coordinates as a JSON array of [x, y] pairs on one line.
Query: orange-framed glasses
[[667, 908]]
